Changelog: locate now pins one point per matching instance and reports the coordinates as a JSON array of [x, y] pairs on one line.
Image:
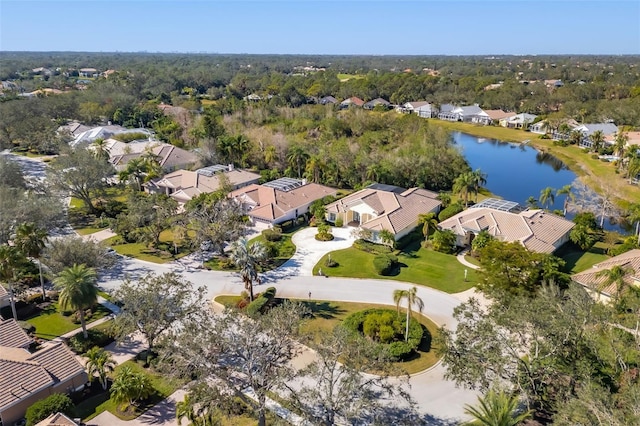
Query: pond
[[516, 171]]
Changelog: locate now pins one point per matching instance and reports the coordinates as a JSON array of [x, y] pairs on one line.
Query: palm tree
[[297, 157], [412, 299], [185, 408], [130, 386], [100, 363], [547, 196], [532, 202], [566, 191], [464, 184], [616, 276], [496, 409], [135, 171], [78, 290], [10, 259], [100, 149], [387, 237], [620, 145], [597, 139], [429, 223], [313, 168], [634, 217], [31, 240], [479, 179], [248, 257], [270, 154]]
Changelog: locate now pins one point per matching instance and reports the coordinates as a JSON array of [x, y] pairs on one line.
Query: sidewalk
[[104, 302], [464, 261]]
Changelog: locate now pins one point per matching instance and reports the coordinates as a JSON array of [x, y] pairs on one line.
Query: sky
[[419, 27]]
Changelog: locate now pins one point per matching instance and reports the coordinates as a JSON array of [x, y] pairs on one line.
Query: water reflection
[[546, 158]]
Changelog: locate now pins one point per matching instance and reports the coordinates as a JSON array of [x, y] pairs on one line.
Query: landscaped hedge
[[260, 303], [398, 350], [370, 247], [385, 264], [450, 211], [58, 402], [272, 234], [99, 336]]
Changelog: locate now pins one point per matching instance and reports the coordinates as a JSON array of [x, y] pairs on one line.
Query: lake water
[[517, 171]]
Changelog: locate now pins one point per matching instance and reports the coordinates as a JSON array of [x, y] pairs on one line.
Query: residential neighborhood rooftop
[[593, 279]]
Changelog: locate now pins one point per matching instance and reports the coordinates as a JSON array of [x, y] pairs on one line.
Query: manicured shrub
[[369, 247], [412, 237], [444, 241], [226, 263], [450, 211], [330, 263], [260, 304], [384, 264], [286, 225], [96, 337], [339, 222], [272, 235], [58, 402]]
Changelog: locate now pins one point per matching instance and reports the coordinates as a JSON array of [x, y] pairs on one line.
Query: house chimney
[[231, 167], [304, 181]]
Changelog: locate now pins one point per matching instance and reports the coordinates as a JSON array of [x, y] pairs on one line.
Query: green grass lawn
[[326, 315], [578, 260], [346, 77], [417, 265], [165, 253], [95, 405], [51, 323]]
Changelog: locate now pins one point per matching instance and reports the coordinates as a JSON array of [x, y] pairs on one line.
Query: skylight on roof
[[502, 205], [284, 184]]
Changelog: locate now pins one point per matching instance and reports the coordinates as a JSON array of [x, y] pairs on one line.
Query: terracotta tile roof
[[537, 230], [272, 204], [12, 335], [19, 379], [498, 114], [58, 360], [396, 211], [629, 260], [353, 100], [57, 419]]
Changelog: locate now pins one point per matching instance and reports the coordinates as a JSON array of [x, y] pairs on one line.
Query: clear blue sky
[[419, 27]]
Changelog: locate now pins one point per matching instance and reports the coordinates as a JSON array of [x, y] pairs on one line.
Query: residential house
[[169, 157], [352, 101], [491, 116], [73, 129], [633, 139], [376, 102], [253, 97], [596, 282], [463, 113], [537, 230], [279, 200], [328, 100], [384, 207], [26, 378], [88, 72], [5, 300], [518, 121], [12, 335], [58, 419], [607, 129], [184, 185], [423, 108], [542, 128]]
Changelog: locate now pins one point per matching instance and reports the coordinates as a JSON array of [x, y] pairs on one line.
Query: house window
[[332, 217]]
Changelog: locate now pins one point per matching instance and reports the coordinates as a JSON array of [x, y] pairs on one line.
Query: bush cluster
[[410, 238], [272, 235], [395, 347], [369, 247], [58, 402], [385, 264], [339, 222], [96, 337], [450, 211], [259, 305]]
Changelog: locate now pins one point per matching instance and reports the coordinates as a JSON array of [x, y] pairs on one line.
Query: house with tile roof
[[279, 200], [422, 108], [596, 283], [587, 130], [376, 102], [352, 101], [12, 335], [328, 100], [26, 378], [58, 419], [169, 157], [384, 207], [460, 113], [537, 230], [491, 116], [518, 121], [184, 185]]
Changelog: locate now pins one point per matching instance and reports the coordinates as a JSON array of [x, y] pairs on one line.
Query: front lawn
[[95, 405], [418, 265], [50, 323], [325, 315], [165, 252]]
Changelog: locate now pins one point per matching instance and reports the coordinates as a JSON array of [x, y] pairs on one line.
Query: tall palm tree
[[270, 154], [297, 157], [597, 139], [100, 149], [620, 144], [496, 409], [616, 276], [532, 202], [464, 184], [412, 299], [78, 290], [479, 179], [445, 199], [248, 258], [100, 363], [547, 196], [313, 168], [575, 137], [185, 408], [429, 223], [10, 259], [31, 240], [134, 171], [634, 217], [569, 196]]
